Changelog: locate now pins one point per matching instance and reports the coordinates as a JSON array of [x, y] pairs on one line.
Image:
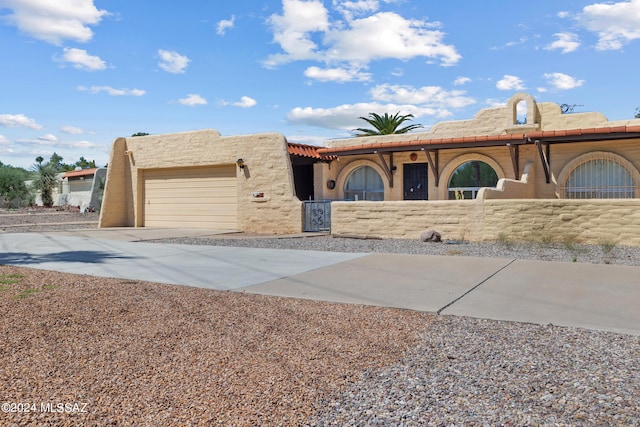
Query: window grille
[[600, 179]]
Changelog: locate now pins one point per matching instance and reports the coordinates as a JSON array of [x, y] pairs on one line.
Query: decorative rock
[[430, 236]]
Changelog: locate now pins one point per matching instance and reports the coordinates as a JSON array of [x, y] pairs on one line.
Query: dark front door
[[415, 181]]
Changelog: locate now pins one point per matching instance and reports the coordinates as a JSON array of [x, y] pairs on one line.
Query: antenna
[[566, 108]]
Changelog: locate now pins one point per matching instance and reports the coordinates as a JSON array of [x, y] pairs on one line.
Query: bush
[[13, 190]]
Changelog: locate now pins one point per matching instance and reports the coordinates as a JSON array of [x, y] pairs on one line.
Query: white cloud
[[461, 81], [431, 101], [18, 120], [192, 99], [388, 35], [349, 8], [566, 42], [615, 23], [78, 144], [493, 102], [48, 138], [384, 35], [292, 29], [72, 130], [3, 140], [510, 83], [82, 60], [432, 96], [54, 21], [112, 91], [173, 62], [562, 81], [521, 40], [563, 14], [224, 25], [345, 117], [339, 75], [541, 89], [245, 102], [307, 139]]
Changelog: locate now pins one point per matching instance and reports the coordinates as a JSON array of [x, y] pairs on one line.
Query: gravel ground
[[43, 219], [148, 354], [546, 251], [137, 353]]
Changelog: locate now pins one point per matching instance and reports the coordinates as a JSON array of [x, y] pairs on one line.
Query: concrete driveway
[[603, 297]]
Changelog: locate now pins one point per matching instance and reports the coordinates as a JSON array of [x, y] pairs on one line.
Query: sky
[[76, 74]]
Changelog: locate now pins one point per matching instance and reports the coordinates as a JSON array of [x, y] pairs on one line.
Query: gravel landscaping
[[132, 353], [568, 251]]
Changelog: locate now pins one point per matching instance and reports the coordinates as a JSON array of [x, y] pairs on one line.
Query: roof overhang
[[307, 152], [551, 137], [80, 173]]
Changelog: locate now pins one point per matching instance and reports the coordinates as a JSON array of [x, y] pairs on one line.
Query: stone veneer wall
[[268, 171], [587, 221]]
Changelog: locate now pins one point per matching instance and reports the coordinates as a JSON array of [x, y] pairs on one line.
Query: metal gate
[[317, 215]]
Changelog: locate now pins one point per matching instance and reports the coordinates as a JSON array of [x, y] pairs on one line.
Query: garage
[[203, 197]]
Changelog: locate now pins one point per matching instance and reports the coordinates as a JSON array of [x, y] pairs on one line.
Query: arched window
[[469, 177], [600, 179], [364, 183]]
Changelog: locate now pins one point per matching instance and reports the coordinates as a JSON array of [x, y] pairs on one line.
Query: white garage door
[[191, 198]]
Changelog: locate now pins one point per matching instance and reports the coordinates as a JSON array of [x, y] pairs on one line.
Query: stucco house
[[500, 172], [81, 187]]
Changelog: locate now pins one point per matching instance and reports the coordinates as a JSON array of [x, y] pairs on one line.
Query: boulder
[[430, 236]]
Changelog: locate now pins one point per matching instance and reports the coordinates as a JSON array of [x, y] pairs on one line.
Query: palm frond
[[386, 124]]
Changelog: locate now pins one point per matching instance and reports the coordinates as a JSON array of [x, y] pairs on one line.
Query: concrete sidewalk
[[603, 297]]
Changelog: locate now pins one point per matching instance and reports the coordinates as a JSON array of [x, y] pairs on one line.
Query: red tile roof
[[303, 150], [570, 135], [83, 172]]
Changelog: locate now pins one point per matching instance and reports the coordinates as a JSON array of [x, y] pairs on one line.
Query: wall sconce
[[331, 184], [240, 163], [394, 168]]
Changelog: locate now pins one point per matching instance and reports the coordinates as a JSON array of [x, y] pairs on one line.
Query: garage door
[[191, 198]]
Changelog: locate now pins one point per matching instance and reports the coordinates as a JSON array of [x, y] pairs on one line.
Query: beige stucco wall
[[268, 171], [498, 157], [541, 116], [494, 121], [588, 221]]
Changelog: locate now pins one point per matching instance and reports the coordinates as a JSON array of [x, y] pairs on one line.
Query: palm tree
[[387, 124]]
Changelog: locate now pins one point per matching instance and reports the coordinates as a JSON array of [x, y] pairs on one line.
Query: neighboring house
[[82, 188], [502, 172]]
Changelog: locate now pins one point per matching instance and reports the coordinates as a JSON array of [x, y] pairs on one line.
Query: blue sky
[[76, 74]]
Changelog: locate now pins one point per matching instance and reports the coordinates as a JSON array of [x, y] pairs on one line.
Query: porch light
[[240, 163]]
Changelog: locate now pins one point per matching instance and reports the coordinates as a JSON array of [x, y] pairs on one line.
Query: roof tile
[[83, 172]]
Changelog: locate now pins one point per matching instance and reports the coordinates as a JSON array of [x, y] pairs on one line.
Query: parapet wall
[[586, 221]]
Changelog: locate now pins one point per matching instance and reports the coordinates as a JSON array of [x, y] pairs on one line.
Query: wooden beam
[[514, 150], [387, 168], [433, 164], [544, 159]]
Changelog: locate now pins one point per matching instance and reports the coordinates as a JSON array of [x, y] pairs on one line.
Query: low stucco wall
[[267, 171], [587, 221]]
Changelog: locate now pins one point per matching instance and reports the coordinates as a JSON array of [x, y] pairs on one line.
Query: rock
[[430, 236]]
